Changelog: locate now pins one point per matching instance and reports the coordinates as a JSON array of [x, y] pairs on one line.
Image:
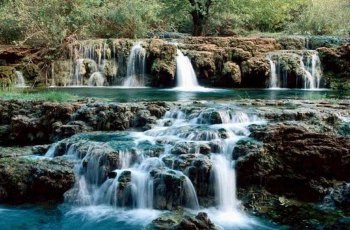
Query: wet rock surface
[[25, 123], [180, 220], [25, 179], [295, 162], [286, 166]]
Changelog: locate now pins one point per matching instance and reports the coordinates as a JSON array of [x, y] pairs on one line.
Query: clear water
[[64, 217], [121, 94]]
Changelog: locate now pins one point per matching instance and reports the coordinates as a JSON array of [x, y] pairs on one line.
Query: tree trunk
[[198, 24]]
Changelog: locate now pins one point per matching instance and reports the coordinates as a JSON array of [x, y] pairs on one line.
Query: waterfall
[[225, 186], [309, 79], [295, 69], [136, 68], [20, 82], [53, 74], [273, 73], [97, 79], [185, 75], [86, 60], [153, 169]]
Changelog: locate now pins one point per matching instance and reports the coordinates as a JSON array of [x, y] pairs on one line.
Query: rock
[[336, 65], [198, 168], [200, 222], [40, 149], [62, 131], [204, 64], [180, 220], [255, 72], [62, 72], [231, 75], [29, 180], [168, 190], [7, 75], [162, 56], [295, 162], [288, 212], [340, 196], [42, 122], [292, 42]]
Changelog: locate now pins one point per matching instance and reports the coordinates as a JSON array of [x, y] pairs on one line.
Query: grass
[[28, 95]]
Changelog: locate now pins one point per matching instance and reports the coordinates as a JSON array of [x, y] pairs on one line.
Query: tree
[[200, 12]]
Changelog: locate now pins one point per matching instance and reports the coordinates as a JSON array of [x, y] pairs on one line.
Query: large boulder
[[336, 65], [231, 75], [7, 75], [255, 72], [295, 162], [28, 180], [162, 56], [179, 220]]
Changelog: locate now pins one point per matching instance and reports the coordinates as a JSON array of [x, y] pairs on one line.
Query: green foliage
[[133, 18], [324, 18], [51, 22], [36, 96]]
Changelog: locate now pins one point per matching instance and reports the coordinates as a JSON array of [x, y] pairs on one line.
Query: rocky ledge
[[28, 123], [24, 178]]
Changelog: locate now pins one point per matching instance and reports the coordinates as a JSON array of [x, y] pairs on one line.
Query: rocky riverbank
[[295, 163]]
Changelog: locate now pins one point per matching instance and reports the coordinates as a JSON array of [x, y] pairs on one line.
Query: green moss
[[6, 76]]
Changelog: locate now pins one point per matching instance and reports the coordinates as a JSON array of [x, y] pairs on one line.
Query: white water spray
[[136, 67], [20, 82], [97, 79], [185, 75], [309, 65]]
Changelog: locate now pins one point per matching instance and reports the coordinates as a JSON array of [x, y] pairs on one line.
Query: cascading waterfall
[[136, 68], [20, 82], [88, 62], [97, 79], [310, 80], [273, 83], [185, 75], [152, 169], [307, 73]]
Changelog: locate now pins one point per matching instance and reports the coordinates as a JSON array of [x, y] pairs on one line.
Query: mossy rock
[[161, 58], [292, 42], [7, 75], [255, 72], [61, 72], [231, 75]]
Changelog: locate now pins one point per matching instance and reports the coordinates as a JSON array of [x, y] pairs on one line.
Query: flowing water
[[97, 79], [91, 60], [307, 65], [136, 68], [152, 170], [185, 76], [20, 82]]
